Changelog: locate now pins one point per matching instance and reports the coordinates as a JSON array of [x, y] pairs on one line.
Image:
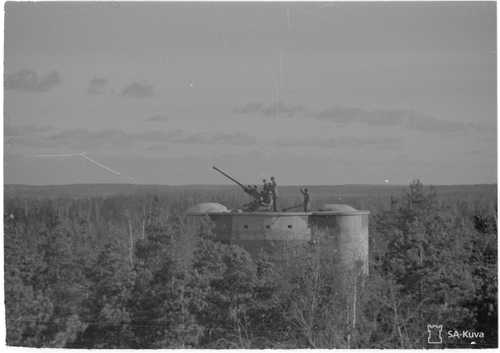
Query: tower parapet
[[340, 229]]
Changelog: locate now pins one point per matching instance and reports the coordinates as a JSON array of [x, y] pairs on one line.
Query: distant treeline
[[331, 193], [130, 271]]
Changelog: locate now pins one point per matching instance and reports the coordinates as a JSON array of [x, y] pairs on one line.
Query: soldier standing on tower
[[270, 200], [264, 186], [265, 190], [274, 189], [307, 199]]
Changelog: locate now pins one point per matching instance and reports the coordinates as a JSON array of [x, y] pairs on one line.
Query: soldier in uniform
[[270, 200], [265, 191], [307, 199], [274, 189]]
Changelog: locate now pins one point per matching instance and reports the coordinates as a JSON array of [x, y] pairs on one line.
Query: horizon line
[[229, 185]]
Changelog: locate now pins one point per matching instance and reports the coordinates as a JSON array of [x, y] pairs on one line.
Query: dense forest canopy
[[130, 270]]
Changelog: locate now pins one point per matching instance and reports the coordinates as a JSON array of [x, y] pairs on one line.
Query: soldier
[[270, 200], [266, 196], [307, 199], [274, 189], [264, 192], [264, 186]]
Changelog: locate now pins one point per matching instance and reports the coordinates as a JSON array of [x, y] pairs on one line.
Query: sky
[[312, 93]]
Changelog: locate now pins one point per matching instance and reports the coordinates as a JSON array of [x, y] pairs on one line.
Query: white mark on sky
[[84, 155], [100, 164]]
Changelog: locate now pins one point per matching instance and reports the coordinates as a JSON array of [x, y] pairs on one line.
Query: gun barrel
[[230, 178]]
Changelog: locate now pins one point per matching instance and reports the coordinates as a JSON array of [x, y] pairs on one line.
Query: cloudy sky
[[312, 93]]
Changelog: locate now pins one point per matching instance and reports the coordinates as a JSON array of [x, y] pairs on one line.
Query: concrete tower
[[340, 229]]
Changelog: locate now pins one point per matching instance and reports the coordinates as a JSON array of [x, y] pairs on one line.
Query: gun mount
[[257, 203]]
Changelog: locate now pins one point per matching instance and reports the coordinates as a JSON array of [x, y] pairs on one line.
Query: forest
[[129, 270]]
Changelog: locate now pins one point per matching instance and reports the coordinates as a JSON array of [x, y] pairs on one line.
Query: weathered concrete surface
[[339, 229], [346, 235]]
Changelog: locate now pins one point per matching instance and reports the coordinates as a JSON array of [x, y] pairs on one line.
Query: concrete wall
[[341, 235], [346, 236], [274, 233]]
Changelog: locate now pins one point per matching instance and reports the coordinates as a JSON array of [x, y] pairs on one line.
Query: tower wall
[[275, 233], [343, 235]]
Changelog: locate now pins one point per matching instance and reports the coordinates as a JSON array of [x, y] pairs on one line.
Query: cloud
[[138, 90], [274, 109], [342, 115], [158, 118], [16, 136], [23, 130], [83, 139], [29, 81], [341, 142], [408, 119], [237, 138], [181, 136], [97, 85]]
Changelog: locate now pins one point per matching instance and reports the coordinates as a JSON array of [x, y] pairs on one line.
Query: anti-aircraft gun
[[256, 202]]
